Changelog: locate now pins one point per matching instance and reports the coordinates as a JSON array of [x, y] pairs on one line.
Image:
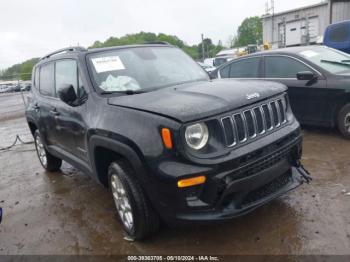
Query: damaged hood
[[197, 100]]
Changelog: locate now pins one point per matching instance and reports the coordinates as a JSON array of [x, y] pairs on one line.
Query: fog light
[[191, 181]]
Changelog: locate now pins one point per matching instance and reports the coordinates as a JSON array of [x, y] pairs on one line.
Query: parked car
[[207, 68], [338, 36], [26, 87], [318, 80], [222, 59], [147, 122]]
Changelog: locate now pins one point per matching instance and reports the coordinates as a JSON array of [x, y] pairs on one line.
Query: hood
[[197, 100]]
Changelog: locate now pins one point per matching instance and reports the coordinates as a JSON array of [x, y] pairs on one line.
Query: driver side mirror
[[67, 94], [306, 75]]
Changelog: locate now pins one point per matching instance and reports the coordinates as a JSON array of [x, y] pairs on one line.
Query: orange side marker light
[[166, 136]]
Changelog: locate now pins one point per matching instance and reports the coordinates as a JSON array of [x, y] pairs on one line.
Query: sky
[[32, 28]]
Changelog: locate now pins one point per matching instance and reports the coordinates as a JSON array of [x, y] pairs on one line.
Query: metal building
[[304, 25]]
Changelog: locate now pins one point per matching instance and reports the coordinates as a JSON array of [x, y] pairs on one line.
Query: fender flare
[[120, 148]]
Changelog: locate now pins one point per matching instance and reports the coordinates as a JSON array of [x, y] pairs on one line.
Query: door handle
[[54, 112]]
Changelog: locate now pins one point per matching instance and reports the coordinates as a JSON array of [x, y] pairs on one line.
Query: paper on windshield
[[309, 53], [108, 63]]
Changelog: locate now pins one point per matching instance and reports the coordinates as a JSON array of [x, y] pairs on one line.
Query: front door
[[308, 100], [70, 125]]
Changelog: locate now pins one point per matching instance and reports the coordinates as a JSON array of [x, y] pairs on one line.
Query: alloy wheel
[[41, 151], [122, 202], [347, 122]]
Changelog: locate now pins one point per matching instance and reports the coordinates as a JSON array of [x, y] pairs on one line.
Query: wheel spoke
[[122, 202], [41, 151]]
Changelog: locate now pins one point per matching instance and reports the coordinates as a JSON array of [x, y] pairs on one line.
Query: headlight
[[197, 135]]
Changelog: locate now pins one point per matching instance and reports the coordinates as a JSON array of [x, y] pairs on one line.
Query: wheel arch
[[32, 126], [345, 100], [103, 151]]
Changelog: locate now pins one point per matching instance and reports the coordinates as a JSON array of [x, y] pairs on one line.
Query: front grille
[[267, 189], [253, 122], [261, 164]]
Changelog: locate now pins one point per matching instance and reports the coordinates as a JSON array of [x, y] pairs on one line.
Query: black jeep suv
[[146, 122]]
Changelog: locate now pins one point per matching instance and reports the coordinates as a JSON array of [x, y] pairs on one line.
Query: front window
[[143, 69], [283, 67], [331, 60]]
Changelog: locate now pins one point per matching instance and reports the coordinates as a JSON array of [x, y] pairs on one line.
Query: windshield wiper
[[336, 62], [345, 61], [127, 92]]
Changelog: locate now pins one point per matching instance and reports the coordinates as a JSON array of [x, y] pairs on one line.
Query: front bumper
[[244, 201], [232, 188]]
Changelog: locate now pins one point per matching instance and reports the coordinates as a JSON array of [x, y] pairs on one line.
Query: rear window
[[339, 33], [47, 85]]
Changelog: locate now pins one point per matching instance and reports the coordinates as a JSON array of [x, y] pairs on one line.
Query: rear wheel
[[344, 121], [135, 212], [48, 161]]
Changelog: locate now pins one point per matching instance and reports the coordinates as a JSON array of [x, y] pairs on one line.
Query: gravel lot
[[68, 213]]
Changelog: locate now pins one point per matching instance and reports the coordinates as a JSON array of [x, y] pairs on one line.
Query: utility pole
[[272, 9], [273, 20], [203, 55], [284, 33]]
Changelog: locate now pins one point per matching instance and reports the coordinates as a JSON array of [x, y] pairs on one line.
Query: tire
[[344, 121], [49, 162], [137, 216]]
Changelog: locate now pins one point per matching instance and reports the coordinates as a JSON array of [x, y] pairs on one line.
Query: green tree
[[22, 70], [249, 32], [144, 37]]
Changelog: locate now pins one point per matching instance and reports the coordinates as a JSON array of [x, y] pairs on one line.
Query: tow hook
[[303, 172]]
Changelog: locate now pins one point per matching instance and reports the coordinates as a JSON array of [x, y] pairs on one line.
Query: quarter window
[[283, 67], [47, 79]]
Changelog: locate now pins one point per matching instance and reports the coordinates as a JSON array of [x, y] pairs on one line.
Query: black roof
[[288, 50]]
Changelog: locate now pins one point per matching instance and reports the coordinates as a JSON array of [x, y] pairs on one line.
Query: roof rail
[[157, 43], [67, 49]]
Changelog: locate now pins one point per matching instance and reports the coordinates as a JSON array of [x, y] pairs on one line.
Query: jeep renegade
[[170, 144]]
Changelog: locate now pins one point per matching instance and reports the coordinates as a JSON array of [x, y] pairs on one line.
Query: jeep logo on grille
[[251, 96]]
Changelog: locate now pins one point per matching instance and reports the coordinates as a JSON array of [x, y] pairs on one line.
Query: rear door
[[308, 99], [46, 102]]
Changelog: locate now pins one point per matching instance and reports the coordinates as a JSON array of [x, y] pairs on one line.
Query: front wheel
[[48, 161], [344, 121], [135, 212]]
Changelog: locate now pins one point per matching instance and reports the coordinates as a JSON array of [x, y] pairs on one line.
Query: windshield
[[331, 60], [143, 69]]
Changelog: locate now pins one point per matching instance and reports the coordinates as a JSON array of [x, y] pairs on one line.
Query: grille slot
[[259, 120], [275, 114], [230, 134], [240, 124], [252, 122]]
